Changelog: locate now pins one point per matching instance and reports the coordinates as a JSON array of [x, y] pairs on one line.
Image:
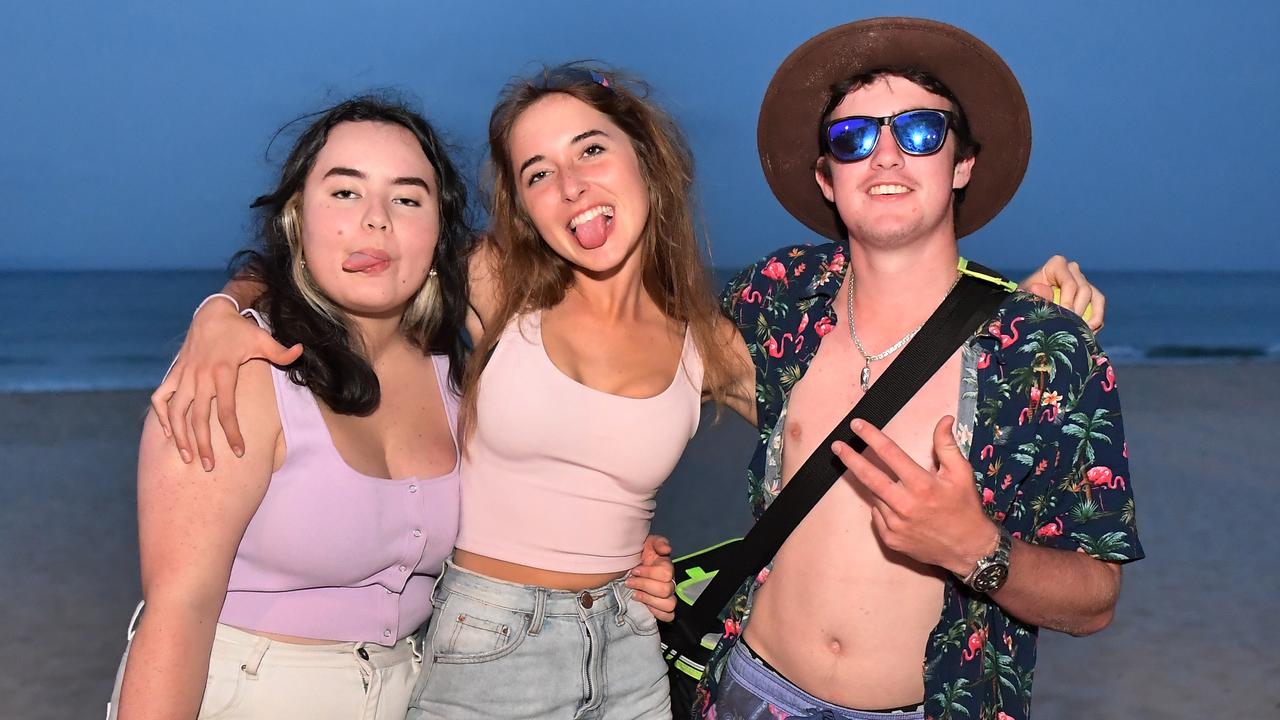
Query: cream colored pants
[[252, 677]]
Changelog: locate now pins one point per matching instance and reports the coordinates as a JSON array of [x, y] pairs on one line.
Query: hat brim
[[988, 92]]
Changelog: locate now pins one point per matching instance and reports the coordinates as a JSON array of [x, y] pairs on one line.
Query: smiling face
[[370, 217], [891, 199], [580, 182]]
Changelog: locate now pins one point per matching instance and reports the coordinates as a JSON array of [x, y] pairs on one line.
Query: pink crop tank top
[[562, 477], [335, 554]]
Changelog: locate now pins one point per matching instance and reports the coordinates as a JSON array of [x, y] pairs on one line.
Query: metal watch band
[[998, 556]]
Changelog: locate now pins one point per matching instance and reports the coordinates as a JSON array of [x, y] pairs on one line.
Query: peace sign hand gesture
[[932, 516]]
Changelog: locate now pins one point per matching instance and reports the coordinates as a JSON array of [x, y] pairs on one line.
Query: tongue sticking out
[[592, 233], [359, 262]]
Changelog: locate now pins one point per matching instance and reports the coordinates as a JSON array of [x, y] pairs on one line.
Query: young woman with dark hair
[[290, 584]]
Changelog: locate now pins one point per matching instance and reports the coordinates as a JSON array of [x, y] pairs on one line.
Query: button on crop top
[[335, 554], [562, 477]]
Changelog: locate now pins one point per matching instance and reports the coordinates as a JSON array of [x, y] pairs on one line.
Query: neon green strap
[[1010, 285], [963, 267]]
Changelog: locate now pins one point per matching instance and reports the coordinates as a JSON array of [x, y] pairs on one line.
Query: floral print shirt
[[1039, 418]]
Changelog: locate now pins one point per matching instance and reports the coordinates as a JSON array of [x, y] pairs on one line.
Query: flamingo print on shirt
[[1044, 437]]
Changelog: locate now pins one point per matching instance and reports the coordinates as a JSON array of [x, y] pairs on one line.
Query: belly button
[[836, 648]]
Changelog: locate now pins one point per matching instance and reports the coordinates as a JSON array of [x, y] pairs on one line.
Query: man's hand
[[937, 518], [653, 579], [218, 343], [931, 517], [1061, 282]]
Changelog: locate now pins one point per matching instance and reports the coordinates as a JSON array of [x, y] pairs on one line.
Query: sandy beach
[[1194, 636]]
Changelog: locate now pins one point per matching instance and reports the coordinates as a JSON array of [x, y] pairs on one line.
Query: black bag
[[687, 656], [708, 579]]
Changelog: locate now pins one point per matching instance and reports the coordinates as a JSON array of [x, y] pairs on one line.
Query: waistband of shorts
[[608, 598], [323, 654], [766, 683]]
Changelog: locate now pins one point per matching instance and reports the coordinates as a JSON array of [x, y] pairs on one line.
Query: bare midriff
[[844, 621], [841, 615], [526, 575]]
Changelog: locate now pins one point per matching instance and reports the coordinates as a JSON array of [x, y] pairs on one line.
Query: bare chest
[[831, 388], [876, 607]]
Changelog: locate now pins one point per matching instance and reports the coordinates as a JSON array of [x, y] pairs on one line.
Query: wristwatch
[[991, 571]]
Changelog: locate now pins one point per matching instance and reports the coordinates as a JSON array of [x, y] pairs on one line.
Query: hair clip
[[568, 75]]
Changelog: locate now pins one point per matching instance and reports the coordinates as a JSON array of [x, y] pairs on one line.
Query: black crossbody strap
[[956, 319]]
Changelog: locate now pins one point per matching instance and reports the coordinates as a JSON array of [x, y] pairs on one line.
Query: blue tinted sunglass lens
[[852, 139], [921, 132]]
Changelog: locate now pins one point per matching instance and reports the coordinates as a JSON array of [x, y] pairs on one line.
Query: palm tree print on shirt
[[1043, 433]]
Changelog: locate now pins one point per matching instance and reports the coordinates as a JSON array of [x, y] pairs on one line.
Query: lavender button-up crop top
[[335, 554]]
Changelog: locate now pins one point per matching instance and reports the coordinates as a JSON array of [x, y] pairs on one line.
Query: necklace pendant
[[866, 377]]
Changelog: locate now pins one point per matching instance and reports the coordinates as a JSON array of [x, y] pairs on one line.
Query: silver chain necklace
[[865, 377]]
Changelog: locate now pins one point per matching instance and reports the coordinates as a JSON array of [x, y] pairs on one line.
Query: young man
[[997, 501]]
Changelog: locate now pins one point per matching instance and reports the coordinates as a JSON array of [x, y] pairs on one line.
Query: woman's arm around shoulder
[[204, 374], [1062, 282], [482, 286], [741, 395], [189, 527]]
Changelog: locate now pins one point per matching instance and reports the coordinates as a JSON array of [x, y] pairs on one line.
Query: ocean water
[[95, 330], [119, 330]]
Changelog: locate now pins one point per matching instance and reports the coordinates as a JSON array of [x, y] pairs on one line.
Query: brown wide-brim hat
[[992, 100]]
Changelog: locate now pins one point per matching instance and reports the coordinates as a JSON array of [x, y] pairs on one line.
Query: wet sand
[[1194, 635]]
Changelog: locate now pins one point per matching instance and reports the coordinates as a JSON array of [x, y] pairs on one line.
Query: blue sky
[[133, 133]]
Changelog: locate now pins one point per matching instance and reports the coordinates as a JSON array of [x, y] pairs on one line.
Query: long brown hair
[[530, 276]]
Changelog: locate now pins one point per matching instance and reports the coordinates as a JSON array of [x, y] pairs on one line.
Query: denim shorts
[[496, 649], [750, 691]]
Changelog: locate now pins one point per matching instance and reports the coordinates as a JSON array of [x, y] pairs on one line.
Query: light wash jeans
[[496, 649], [751, 691]]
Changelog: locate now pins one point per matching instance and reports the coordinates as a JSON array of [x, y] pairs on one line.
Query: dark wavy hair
[[334, 366]]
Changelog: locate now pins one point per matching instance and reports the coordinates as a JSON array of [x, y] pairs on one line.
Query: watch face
[[990, 577]]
